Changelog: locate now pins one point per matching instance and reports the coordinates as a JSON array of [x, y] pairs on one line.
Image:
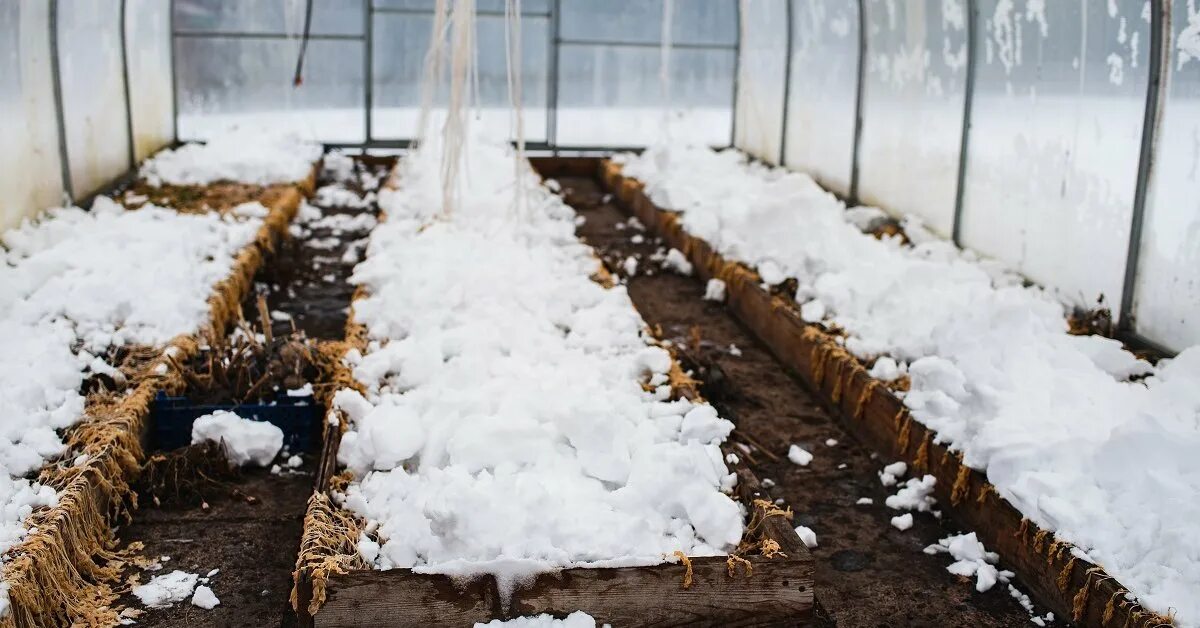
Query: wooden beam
[[1073, 587]]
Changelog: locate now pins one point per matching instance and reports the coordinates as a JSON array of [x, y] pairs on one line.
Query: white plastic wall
[[758, 124], [1167, 292], [824, 90], [148, 58], [30, 171], [93, 92], [913, 93], [1056, 129]]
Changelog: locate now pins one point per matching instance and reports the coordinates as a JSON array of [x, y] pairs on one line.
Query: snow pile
[[74, 284], [578, 619], [244, 157], [205, 598], [165, 590], [1105, 462], [971, 559], [245, 441], [505, 429]]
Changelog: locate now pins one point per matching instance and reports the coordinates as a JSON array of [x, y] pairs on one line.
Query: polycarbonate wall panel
[[761, 76], [613, 95], [1056, 129], [93, 92], [528, 7], [913, 93], [1167, 293], [401, 40], [30, 171], [330, 17], [148, 58], [226, 82], [823, 93]]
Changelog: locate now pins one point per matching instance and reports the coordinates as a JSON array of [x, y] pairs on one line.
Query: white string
[[431, 78], [454, 131]]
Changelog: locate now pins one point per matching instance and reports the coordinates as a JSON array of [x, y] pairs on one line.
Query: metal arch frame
[[972, 7], [56, 78]]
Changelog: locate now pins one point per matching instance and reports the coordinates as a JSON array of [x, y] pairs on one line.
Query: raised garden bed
[[1073, 587]]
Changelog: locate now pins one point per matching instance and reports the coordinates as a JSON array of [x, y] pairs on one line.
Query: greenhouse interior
[[578, 313]]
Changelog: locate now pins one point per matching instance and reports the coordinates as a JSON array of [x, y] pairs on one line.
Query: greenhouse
[[578, 313]]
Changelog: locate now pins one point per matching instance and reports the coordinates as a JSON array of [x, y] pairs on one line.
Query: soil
[[253, 542], [868, 573]]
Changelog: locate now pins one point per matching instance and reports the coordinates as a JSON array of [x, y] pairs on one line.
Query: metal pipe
[[787, 85], [1160, 36], [56, 79], [125, 80], [968, 100], [430, 12], [368, 67], [263, 35], [174, 74], [737, 69], [852, 196], [552, 75]]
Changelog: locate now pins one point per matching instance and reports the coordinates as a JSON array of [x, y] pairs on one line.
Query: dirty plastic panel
[[613, 95], [93, 92], [30, 171], [225, 82], [401, 41], [279, 17], [913, 92], [1167, 292], [148, 40], [1055, 136], [528, 7], [824, 88], [761, 76]]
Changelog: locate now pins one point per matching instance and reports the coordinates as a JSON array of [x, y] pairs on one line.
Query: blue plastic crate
[[298, 417]]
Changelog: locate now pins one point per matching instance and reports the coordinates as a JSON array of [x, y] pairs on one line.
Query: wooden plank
[[775, 593], [1072, 587]]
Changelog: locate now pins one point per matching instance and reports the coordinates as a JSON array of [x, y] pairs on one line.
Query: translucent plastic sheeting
[[1167, 292], [694, 22], [30, 171], [528, 7], [91, 74], [330, 17], [824, 88], [401, 40], [609, 88], [761, 76], [226, 82], [148, 41], [913, 93], [612, 96], [1055, 135]]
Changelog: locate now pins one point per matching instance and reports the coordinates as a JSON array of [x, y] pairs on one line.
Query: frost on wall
[[1055, 138], [1167, 292], [913, 94]]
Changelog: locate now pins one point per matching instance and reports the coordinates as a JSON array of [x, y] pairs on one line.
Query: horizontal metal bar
[[431, 12], [251, 35], [646, 44]]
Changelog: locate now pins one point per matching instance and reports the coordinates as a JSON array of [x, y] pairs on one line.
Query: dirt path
[[868, 573]]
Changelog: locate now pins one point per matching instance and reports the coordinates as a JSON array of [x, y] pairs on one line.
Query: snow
[[578, 619], [245, 441], [1054, 420], [916, 494], [799, 455], [903, 522], [205, 598], [892, 473], [971, 559], [864, 501], [74, 284], [256, 158], [504, 428], [677, 262], [166, 590], [807, 535], [714, 290]]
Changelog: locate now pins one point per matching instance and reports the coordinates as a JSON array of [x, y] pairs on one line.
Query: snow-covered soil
[[75, 284], [506, 428], [245, 156], [1080, 435]]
